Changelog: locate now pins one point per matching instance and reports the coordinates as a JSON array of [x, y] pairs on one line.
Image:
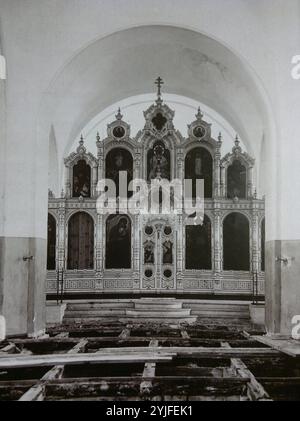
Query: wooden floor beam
[[37, 392], [256, 391]]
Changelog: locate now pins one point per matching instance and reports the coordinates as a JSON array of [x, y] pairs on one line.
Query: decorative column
[[223, 181], [159, 227], [100, 156], [95, 180], [137, 165], [217, 242], [99, 245], [67, 180], [179, 165], [137, 243], [180, 235], [217, 160], [250, 183], [61, 255], [255, 239]]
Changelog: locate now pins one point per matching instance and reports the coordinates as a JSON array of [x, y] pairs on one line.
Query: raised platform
[[156, 310]]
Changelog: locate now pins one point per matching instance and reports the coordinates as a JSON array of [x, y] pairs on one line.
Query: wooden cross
[[159, 82]]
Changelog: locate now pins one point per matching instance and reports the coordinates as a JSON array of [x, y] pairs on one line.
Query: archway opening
[[51, 243], [199, 165], [198, 250], [236, 242], [80, 242], [118, 242]]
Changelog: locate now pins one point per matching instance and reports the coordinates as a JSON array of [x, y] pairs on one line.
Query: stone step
[[152, 313], [98, 306], [157, 306], [124, 319], [221, 307], [91, 313], [219, 315], [157, 300], [218, 311], [91, 321], [160, 320]]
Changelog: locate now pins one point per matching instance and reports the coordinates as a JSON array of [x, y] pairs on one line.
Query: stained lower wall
[[23, 284]]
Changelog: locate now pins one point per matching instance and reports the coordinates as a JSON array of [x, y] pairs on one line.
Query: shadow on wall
[[2, 68], [2, 328]]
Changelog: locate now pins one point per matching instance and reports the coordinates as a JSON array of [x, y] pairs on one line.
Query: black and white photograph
[[150, 203]]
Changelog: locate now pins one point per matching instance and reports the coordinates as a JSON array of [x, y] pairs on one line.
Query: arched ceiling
[[126, 63]]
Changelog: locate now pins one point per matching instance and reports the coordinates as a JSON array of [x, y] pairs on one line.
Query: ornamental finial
[[220, 137], [159, 82], [98, 137], [199, 114], [237, 141], [81, 142], [119, 116]]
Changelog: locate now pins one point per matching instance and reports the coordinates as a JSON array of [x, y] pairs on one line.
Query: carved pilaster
[[217, 176], [180, 165], [254, 241], [99, 246], [217, 241], [250, 183], [68, 177], [137, 166], [222, 182], [100, 156], [180, 246], [136, 244], [61, 257], [95, 180]]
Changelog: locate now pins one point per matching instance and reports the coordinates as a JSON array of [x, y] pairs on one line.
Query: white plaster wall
[[41, 37]]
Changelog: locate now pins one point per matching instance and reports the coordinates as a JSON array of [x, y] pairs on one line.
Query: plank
[[9, 349], [280, 380], [111, 341], [37, 392], [287, 346], [256, 391], [131, 355], [149, 371], [53, 360]]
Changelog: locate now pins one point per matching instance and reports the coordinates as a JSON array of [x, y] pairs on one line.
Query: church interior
[[111, 287]]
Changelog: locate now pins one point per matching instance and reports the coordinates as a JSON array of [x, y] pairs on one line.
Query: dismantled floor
[[119, 361], [149, 349]]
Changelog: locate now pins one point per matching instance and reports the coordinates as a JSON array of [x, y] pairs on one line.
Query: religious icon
[[167, 252], [81, 179], [118, 242], [199, 132], [159, 162], [198, 166], [198, 246], [149, 253], [118, 160], [119, 132], [236, 180]]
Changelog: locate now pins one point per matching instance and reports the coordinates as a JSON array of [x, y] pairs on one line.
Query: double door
[[158, 255]]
